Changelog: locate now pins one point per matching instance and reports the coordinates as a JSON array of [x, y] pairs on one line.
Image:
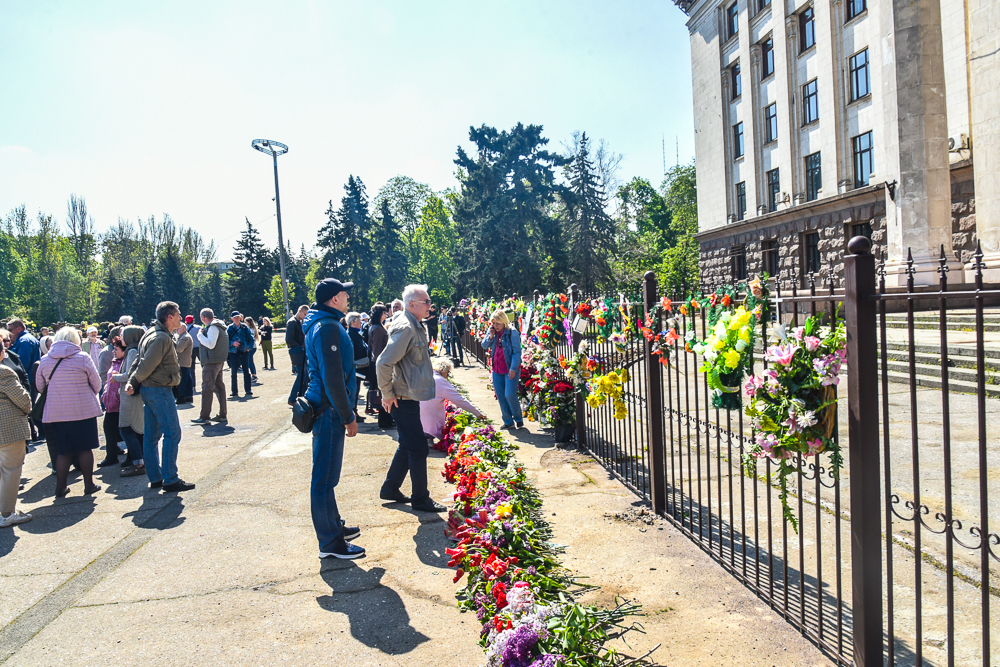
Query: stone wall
[[963, 215]]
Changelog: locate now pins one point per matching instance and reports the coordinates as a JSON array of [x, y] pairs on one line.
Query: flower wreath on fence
[[793, 404], [514, 582]]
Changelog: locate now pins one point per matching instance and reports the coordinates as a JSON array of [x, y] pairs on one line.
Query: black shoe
[[179, 485], [394, 496], [201, 420], [108, 462], [234, 395], [429, 506], [344, 551], [520, 424], [156, 485], [248, 394]]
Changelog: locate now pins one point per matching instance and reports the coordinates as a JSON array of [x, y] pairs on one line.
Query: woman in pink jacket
[[71, 408]]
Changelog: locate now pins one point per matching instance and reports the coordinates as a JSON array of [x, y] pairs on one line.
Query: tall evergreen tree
[[347, 254], [249, 279], [174, 283], [591, 229], [215, 296], [150, 294], [391, 260]]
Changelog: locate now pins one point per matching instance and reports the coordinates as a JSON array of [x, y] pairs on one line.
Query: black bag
[[303, 414], [38, 409]]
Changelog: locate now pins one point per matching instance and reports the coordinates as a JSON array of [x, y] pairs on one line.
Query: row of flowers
[[512, 577]]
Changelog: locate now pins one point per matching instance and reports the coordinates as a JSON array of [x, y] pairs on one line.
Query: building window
[[861, 229], [738, 140], [807, 29], [773, 190], [771, 123], [855, 8], [741, 200], [863, 160], [732, 21], [769, 250], [735, 79], [767, 58], [814, 177], [860, 85], [810, 103], [812, 252], [763, 4], [738, 254]]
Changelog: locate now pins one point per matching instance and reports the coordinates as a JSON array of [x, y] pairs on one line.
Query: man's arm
[[145, 365], [211, 339], [395, 349], [333, 372]]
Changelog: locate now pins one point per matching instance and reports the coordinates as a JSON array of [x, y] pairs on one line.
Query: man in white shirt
[[213, 351]]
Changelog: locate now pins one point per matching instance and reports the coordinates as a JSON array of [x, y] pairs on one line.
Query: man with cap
[[405, 377], [240, 342], [330, 364]]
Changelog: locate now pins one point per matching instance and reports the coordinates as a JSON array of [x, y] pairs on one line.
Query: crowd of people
[[393, 362]]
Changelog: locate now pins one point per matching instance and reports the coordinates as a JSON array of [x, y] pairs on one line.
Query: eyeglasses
[[427, 301]]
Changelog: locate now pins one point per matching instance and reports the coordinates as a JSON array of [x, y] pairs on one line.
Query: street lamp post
[[274, 149]]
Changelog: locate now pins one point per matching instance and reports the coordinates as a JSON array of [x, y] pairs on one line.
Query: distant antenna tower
[[663, 138]]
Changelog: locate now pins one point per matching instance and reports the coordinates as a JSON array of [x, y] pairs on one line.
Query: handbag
[[38, 409], [303, 414]]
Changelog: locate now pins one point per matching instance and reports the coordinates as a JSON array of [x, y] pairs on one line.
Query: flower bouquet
[[793, 404], [610, 386]]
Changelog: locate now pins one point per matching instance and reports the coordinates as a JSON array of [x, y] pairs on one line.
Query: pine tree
[[215, 297], [347, 254], [249, 279], [590, 227], [150, 295], [175, 283], [387, 246]]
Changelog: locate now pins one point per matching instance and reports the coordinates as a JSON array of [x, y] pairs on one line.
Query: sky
[[150, 108]]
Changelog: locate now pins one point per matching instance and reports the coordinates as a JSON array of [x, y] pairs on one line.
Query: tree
[[406, 199], [174, 284], [276, 299], [392, 263], [249, 279], [149, 294], [347, 254], [435, 238], [215, 296], [591, 230], [679, 269]]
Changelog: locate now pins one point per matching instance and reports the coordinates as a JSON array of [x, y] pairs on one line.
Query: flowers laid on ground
[[793, 402], [514, 582], [610, 386]]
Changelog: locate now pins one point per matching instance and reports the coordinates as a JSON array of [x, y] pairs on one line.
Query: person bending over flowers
[[432, 412]]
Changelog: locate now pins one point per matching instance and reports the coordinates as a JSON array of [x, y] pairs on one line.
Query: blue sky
[[149, 108]]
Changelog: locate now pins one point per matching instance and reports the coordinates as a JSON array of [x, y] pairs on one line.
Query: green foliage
[[344, 241], [435, 239], [391, 263], [276, 299], [250, 278], [590, 228]]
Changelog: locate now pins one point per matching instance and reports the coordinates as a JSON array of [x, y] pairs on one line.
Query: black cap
[[329, 288], [233, 314]]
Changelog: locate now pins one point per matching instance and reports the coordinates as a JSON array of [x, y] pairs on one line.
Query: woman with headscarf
[[71, 408], [131, 413], [111, 396]]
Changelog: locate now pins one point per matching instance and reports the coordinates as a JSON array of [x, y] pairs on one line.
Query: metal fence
[[869, 576]]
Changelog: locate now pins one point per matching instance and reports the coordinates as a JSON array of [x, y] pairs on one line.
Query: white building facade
[[819, 120]]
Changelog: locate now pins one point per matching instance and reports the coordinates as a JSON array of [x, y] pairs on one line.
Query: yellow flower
[[720, 343], [744, 334], [732, 358], [504, 512]]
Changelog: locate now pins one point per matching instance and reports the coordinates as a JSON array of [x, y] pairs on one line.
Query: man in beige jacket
[[405, 378]]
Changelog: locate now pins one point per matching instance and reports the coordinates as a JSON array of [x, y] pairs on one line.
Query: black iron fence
[[894, 561]]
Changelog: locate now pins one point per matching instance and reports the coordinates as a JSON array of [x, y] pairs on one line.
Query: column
[[984, 80], [920, 220]]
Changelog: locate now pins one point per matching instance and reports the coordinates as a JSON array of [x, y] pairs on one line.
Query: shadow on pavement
[[544, 440], [168, 516], [8, 538], [216, 430], [376, 612], [62, 513], [430, 544]]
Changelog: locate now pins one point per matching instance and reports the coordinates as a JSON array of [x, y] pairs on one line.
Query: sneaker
[[14, 519], [234, 395], [135, 471], [520, 424], [156, 485], [220, 419], [394, 496], [179, 485], [346, 552], [248, 394], [350, 532], [201, 420], [429, 506]]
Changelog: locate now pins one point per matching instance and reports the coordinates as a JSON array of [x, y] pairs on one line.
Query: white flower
[[741, 345], [726, 316], [806, 419], [720, 329], [699, 348], [778, 333], [689, 335]]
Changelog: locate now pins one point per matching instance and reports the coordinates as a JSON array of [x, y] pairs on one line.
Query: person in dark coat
[[362, 362]]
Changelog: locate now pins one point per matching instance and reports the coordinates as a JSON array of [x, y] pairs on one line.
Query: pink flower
[[815, 446], [752, 385], [781, 354], [812, 343]]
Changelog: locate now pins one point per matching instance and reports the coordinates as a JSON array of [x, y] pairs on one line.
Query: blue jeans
[[161, 419], [506, 390], [328, 458], [253, 366]]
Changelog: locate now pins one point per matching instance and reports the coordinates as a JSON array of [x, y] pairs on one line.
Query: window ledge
[[808, 51], [856, 17], [860, 101], [810, 124]]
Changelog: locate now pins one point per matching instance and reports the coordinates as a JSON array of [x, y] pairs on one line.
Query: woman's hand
[[512, 374]]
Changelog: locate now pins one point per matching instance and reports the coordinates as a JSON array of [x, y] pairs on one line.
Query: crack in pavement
[[22, 629]]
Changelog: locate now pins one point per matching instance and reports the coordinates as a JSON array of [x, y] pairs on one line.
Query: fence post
[[863, 451], [654, 404], [581, 405]]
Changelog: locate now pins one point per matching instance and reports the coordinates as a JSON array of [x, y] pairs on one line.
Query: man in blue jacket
[[240, 342], [330, 363]]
